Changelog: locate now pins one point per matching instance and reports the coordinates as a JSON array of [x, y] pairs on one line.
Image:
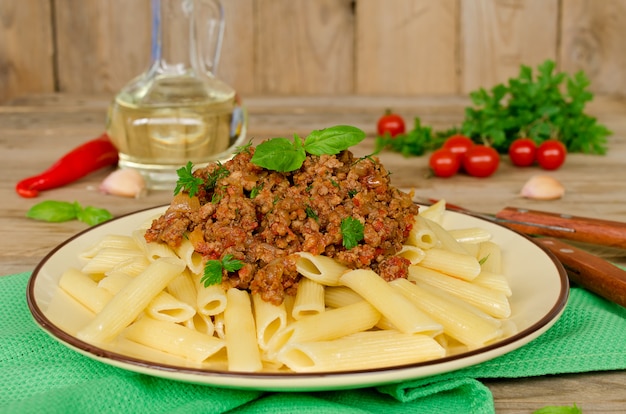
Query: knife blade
[[562, 226]]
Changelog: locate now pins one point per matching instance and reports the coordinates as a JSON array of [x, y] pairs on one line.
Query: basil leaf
[[279, 154], [59, 211], [93, 215], [53, 211], [351, 231], [333, 140]]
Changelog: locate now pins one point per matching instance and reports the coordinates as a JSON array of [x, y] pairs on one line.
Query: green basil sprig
[[60, 211], [283, 155]]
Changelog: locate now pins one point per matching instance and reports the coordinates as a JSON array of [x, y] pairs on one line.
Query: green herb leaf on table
[[213, 269], [93, 215], [61, 211], [351, 232], [557, 409], [187, 181]]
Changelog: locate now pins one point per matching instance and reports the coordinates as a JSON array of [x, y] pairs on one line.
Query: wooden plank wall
[[321, 47]]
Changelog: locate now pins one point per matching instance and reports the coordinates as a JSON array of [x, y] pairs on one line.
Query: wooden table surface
[[37, 130]]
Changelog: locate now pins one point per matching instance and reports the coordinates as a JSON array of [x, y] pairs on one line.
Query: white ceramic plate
[[539, 284]]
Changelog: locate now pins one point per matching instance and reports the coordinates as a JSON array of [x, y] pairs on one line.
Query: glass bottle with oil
[[178, 111]]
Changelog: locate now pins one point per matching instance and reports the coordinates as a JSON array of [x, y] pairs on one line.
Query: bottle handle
[[206, 34]]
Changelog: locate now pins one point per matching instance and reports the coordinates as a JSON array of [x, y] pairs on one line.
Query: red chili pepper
[[79, 162]]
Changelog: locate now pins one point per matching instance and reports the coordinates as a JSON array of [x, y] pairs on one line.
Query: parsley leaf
[[214, 269], [283, 155], [351, 231], [219, 173], [187, 181]]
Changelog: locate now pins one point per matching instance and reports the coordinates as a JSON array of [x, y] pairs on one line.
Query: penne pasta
[[338, 296], [165, 307], [269, 319], [493, 281], [322, 269], [492, 302], [309, 299], [193, 259], [460, 265], [129, 302], [468, 327], [331, 324], [405, 316], [210, 300], [201, 323], [174, 339], [412, 253], [490, 257], [84, 289], [67, 313], [241, 344], [470, 235], [360, 351], [434, 212], [108, 258], [445, 240], [184, 289], [421, 235], [110, 241]]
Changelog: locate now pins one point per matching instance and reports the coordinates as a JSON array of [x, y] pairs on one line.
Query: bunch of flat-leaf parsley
[[548, 105]]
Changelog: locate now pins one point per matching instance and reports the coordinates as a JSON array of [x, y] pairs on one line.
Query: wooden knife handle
[[591, 272], [584, 229]]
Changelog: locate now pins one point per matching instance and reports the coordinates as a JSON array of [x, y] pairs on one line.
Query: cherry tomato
[[390, 123], [481, 161], [551, 154], [444, 163], [522, 152], [458, 144]]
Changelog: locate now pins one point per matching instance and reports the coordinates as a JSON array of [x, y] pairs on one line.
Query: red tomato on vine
[[391, 124]]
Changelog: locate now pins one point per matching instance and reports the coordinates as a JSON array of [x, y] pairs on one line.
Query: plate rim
[[273, 381]]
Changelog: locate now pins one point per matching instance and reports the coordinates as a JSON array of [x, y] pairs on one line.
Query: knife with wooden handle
[[591, 272], [582, 229], [563, 226]]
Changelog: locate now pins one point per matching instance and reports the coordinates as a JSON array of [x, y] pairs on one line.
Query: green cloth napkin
[[37, 374]]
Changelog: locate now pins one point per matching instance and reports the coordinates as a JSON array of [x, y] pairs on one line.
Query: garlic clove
[[124, 182], [543, 187]]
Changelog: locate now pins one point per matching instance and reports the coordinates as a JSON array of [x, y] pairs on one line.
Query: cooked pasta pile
[[147, 300]]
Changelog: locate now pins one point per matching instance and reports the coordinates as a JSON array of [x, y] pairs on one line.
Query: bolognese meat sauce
[[263, 218]]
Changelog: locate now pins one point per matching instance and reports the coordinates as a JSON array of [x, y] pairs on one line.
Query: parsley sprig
[[187, 181], [214, 269], [541, 106], [351, 232], [284, 155]]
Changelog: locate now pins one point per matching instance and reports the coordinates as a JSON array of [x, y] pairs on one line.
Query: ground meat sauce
[[264, 217]]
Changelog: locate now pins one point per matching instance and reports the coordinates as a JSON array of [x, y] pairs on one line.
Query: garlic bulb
[[543, 187], [124, 182]]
